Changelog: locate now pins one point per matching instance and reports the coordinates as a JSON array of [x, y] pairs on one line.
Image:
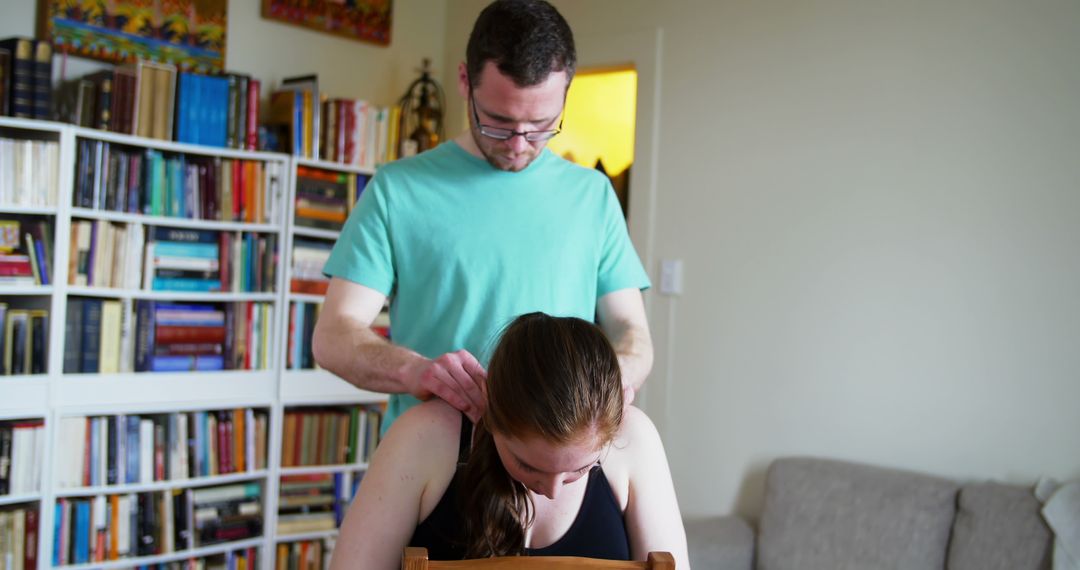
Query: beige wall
[[878, 205], [270, 50]]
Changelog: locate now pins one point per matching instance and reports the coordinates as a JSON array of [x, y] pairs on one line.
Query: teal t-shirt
[[462, 248]]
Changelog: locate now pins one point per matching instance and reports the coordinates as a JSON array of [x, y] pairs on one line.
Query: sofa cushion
[[725, 543], [999, 527], [832, 515]]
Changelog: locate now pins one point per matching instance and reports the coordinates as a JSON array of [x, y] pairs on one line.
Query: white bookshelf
[[56, 394], [309, 387]]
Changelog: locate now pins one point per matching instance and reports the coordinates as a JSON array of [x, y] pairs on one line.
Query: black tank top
[[598, 531]]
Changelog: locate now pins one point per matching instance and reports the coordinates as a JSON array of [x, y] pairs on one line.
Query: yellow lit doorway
[[598, 128]]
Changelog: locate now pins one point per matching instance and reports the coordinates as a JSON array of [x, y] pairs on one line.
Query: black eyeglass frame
[[504, 134]]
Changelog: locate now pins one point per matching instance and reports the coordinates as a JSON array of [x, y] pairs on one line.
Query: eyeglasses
[[501, 134]]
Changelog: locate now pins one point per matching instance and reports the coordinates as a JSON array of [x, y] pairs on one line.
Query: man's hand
[[455, 377]]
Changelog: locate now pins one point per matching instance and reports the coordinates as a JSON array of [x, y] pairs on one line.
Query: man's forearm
[[362, 357], [633, 346]]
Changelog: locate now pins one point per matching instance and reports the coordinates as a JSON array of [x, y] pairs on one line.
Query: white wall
[[270, 50], [878, 205]]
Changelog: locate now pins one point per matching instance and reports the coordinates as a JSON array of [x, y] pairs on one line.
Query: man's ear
[[463, 80]]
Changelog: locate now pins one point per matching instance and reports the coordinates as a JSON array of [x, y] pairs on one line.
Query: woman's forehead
[[553, 457]]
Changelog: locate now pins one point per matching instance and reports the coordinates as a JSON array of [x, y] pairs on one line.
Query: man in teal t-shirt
[[469, 235]]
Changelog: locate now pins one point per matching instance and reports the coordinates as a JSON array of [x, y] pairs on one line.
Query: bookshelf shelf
[[17, 499], [24, 396], [32, 210], [26, 290], [171, 146], [312, 387], [306, 297], [305, 536], [319, 469], [87, 213], [191, 483], [316, 233], [165, 390], [169, 295], [160, 558], [336, 166], [34, 125]]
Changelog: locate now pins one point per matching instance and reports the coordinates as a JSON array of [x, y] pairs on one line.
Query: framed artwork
[[187, 33], [364, 20]]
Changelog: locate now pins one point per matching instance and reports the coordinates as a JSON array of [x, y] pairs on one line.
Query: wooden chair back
[[417, 559]]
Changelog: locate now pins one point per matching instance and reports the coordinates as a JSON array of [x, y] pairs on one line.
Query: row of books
[[129, 256], [134, 449], [112, 527], [29, 172], [314, 502], [134, 180], [203, 336], [24, 340], [302, 318], [324, 198], [152, 99], [25, 251], [22, 449], [218, 110], [107, 336], [19, 538], [304, 122], [26, 78], [329, 436], [304, 555], [105, 254], [358, 133]]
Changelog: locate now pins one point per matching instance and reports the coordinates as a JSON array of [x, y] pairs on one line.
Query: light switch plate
[[671, 276]]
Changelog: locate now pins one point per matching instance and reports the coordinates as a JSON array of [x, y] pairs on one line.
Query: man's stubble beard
[[478, 140]]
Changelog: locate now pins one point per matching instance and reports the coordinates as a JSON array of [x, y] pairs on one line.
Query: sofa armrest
[[721, 543]]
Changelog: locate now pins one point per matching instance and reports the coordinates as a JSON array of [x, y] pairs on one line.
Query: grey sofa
[[823, 514]]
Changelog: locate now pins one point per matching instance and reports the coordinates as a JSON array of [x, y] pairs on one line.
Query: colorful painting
[[187, 33], [365, 20]]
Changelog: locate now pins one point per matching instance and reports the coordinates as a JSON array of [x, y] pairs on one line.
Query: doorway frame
[[641, 50]]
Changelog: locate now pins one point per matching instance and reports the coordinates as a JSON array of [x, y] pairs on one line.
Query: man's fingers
[[456, 364], [442, 385], [472, 365], [477, 372]]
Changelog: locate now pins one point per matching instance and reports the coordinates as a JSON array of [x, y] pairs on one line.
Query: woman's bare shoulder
[[431, 428]]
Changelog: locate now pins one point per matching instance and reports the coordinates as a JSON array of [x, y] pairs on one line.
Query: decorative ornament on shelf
[[422, 111]]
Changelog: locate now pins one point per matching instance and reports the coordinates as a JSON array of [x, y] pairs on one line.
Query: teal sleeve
[[620, 266], [364, 253]]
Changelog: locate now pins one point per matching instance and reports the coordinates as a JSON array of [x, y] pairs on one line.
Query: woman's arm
[[417, 453], [652, 513]]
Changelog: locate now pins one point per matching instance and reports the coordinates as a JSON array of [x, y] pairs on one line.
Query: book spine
[[21, 83], [144, 335], [253, 115], [43, 80], [233, 108]]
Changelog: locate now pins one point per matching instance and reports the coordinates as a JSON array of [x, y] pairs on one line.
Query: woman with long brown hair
[[556, 465]]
